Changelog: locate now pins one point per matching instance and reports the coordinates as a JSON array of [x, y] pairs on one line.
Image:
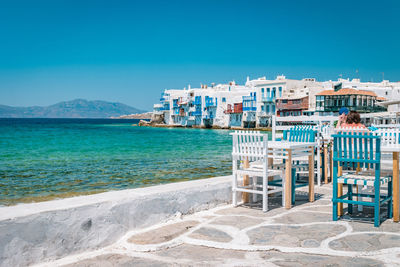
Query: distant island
[[78, 108]]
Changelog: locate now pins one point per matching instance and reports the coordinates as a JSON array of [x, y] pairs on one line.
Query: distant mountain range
[[78, 108]]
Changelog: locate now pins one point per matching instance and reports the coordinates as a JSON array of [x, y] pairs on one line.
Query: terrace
[[303, 236]]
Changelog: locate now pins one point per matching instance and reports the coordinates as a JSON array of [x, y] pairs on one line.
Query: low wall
[[31, 233]]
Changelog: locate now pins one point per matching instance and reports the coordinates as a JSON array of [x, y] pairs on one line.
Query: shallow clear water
[[42, 159]]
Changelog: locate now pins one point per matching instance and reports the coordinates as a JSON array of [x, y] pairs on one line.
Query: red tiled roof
[[381, 98], [347, 91]]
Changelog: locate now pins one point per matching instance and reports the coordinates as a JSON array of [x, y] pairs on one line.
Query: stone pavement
[[245, 236]]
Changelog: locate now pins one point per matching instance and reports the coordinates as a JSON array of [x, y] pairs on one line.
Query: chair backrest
[[250, 145], [300, 134], [388, 136], [357, 148], [286, 123]]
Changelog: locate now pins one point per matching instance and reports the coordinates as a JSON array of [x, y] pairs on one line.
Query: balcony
[[208, 117], [361, 109], [175, 111], [158, 106], [249, 98], [250, 109], [191, 118], [182, 102], [268, 99], [197, 101], [290, 106], [264, 114], [234, 110], [210, 103], [164, 97], [196, 113]]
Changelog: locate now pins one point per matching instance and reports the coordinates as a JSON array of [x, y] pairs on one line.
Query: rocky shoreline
[[160, 125], [139, 116]]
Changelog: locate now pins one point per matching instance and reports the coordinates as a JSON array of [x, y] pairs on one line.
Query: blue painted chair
[[298, 134], [363, 149]]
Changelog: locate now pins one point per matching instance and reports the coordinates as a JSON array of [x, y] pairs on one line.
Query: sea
[[44, 159]]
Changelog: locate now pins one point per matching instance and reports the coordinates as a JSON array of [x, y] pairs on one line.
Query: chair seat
[[255, 171], [299, 168], [361, 179]]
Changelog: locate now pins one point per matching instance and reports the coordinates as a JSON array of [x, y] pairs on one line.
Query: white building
[[253, 104]]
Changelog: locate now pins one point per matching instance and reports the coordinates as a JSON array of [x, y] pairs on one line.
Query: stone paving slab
[[113, 260], [245, 236], [293, 235], [162, 234]]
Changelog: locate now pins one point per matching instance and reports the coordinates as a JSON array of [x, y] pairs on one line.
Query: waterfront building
[[362, 101], [204, 106], [253, 104], [284, 97], [384, 89]]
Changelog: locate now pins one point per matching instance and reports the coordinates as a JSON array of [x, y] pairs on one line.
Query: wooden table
[[395, 149], [291, 151]]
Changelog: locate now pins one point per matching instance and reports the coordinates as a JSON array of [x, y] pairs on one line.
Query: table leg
[[331, 161], [288, 180], [326, 163], [396, 215], [340, 192], [270, 162], [311, 175], [245, 195]]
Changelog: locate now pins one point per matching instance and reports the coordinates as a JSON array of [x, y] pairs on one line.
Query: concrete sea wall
[[31, 233]]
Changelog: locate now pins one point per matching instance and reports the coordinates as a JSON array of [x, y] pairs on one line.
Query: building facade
[[253, 104], [362, 101]]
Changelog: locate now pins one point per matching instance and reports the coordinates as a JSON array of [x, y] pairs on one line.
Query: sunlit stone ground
[[245, 236]]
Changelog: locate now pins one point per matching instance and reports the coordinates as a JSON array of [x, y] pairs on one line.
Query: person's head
[[343, 112], [353, 117]]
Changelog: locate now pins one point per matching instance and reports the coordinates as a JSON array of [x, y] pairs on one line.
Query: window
[[280, 91], [267, 108], [262, 90], [262, 108], [223, 99], [284, 101]]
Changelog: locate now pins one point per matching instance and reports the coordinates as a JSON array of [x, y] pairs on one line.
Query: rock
[[144, 123]]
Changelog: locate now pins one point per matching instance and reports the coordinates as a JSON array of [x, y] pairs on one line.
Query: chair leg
[[234, 192], [254, 188], [350, 192], [293, 186], [377, 200], [334, 201], [283, 191], [390, 202], [359, 190], [265, 194]]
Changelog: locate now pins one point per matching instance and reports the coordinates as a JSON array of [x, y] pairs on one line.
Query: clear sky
[[130, 51]]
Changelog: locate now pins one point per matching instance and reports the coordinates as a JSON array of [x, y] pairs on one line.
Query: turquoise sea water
[[43, 159]]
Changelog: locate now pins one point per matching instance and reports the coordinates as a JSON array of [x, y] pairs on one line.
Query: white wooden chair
[[252, 147], [389, 136]]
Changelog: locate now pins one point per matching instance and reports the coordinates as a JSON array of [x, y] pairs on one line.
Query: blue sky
[[129, 51]]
